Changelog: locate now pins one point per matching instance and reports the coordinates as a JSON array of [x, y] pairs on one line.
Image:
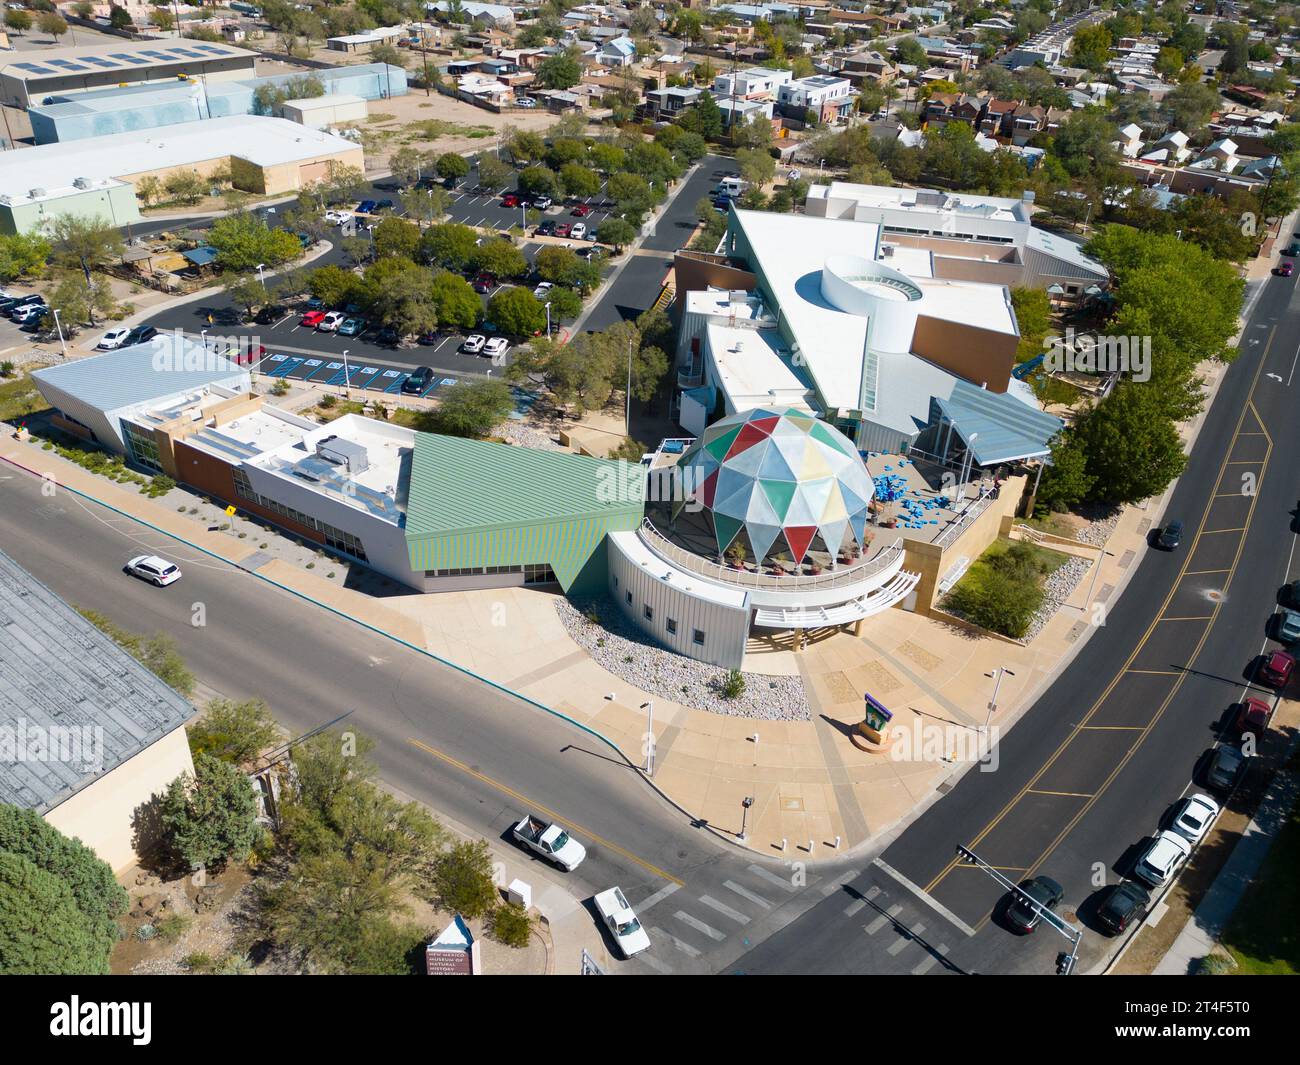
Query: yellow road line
[[1157, 672], [1213, 532], [1112, 728], [533, 805], [1204, 617], [1062, 794]]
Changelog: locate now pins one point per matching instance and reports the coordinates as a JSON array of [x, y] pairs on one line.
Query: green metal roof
[[476, 503]]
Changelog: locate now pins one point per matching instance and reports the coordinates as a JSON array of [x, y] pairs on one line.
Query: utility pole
[[1064, 963]]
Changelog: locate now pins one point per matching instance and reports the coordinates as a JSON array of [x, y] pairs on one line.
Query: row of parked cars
[[28, 311]]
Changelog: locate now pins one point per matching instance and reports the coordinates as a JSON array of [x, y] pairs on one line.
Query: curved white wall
[[887, 298]]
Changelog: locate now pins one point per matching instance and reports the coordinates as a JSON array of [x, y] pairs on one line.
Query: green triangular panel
[[725, 529], [826, 436], [719, 446], [779, 493]]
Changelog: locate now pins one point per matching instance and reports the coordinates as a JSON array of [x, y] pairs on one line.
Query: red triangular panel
[[710, 487], [766, 424], [799, 537], [746, 438]]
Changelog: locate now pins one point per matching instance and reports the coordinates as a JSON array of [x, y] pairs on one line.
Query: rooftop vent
[[346, 453]]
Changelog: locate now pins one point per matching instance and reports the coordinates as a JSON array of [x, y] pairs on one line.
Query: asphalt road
[[466, 749], [1090, 772]]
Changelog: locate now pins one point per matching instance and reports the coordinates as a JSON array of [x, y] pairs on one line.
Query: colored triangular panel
[[761, 538], [746, 438], [799, 537], [832, 534], [858, 523], [725, 530], [775, 465], [821, 431], [721, 444], [709, 490], [814, 464], [779, 494], [766, 424]]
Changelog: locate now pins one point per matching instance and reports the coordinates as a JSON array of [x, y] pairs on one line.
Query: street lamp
[[627, 422], [745, 804], [203, 335], [997, 684], [57, 325], [650, 739], [347, 374], [548, 320], [261, 274]]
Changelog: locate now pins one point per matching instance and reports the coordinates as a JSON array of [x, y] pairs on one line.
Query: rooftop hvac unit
[[346, 453], [36, 194], [83, 183]]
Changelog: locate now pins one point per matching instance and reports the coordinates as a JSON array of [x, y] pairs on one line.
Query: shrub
[[733, 685], [510, 924], [209, 817], [173, 926], [462, 879]]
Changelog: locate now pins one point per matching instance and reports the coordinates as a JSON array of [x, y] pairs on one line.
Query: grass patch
[[1003, 588], [1264, 934], [430, 129], [19, 398], [336, 410], [381, 116]]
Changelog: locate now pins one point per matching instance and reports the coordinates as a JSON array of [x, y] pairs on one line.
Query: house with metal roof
[[88, 735]]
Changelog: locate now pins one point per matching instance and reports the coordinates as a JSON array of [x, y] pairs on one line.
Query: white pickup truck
[[550, 841]]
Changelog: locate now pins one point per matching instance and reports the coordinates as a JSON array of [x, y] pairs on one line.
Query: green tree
[[235, 732], [1066, 482], [52, 22], [396, 236], [607, 158], [579, 181], [42, 932], [425, 205], [617, 233], [909, 51], [399, 294], [462, 878], [157, 653], [452, 166], [210, 817], [1190, 106], [243, 242], [448, 245], [538, 180], [525, 146], [756, 167], [561, 71], [162, 18], [18, 21], [409, 164], [557, 265], [119, 18], [1091, 47], [492, 172], [246, 291], [334, 286], [22, 255], [565, 304], [516, 312], [456, 302], [499, 257], [186, 187], [471, 409], [1132, 447]]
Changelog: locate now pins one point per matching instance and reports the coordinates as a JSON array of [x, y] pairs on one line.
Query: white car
[[621, 922], [543, 290], [579, 230], [496, 347], [1166, 853], [114, 338], [525, 101], [473, 343], [153, 569], [1194, 816], [331, 322], [339, 217], [794, 175]]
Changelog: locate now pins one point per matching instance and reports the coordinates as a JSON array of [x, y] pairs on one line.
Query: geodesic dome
[[782, 477]]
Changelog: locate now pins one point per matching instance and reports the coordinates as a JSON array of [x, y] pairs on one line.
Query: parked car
[[29, 318], [365, 206], [1171, 536], [14, 307], [1276, 669], [1292, 249], [1167, 852], [496, 347], [1253, 716], [510, 199], [1194, 816], [269, 315], [419, 381], [1226, 765], [1288, 626], [1126, 903], [312, 319], [525, 101], [484, 282], [428, 337], [545, 229], [621, 922], [141, 334], [1291, 594], [1285, 269], [314, 303], [352, 327], [794, 174], [114, 338], [542, 291], [473, 343], [388, 337], [153, 569], [542, 203], [579, 230], [384, 205], [581, 210], [563, 229], [1022, 915], [331, 322]]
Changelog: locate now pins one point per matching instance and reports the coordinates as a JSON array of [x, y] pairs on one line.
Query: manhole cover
[[1214, 595]]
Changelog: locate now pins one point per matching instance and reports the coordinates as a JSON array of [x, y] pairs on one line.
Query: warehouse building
[[96, 178], [434, 513], [27, 77], [88, 736], [134, 107]]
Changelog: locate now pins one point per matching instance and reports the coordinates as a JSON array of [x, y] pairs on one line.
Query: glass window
[[672, 627], [649, 612], [698, 638], [629, 598]]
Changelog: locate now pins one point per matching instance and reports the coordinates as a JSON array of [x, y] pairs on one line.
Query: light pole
[[1088, 215], [203, 335], [57, 325], [261, 275], [997, 684], [650, 739], [347, 374], [548, 320], [627, 423], [745, 804]]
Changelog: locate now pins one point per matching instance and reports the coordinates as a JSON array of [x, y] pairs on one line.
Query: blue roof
[[161, 367], [998, 427], [203, 255]]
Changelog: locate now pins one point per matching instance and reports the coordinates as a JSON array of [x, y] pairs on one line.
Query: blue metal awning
[[998, 427], [203, 255]]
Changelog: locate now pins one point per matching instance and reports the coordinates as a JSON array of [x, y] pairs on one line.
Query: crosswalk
[[692, 932]]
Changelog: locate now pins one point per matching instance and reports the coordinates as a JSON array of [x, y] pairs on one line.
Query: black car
[[1126, 903], [546, 229], [269, 315], [141, 334], [419, 380], [8, 307], [1170, 536], [1043, 890], [387, 336], [383, 205], [428, 338]]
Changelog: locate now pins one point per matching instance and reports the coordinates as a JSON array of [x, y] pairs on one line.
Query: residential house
[[619, 52], [828, 98], [671, 101]]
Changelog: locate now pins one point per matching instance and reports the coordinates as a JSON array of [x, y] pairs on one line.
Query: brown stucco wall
[[982, 356], [693, 275]]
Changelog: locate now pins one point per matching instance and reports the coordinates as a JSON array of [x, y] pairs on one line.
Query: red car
[[1285, 270], [581, 210], [563, 229], [249, 356], [485, 282], [509, 200], [1275, 670], [312, 318], [1253, 716]]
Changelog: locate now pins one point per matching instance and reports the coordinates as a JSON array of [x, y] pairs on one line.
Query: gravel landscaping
[[617, 646], [1057, 587], [1098, 523]]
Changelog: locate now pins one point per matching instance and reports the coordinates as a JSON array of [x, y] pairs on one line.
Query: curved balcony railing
[[839, 577]]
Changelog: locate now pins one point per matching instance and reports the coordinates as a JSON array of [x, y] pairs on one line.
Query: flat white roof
[[261, 140], [927, 201], [120, 56], [751, 369], [632, 547]]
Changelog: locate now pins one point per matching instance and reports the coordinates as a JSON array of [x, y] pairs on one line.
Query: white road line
[[884, 919], [745, 893], [929, 961], [772, 878], [700, 926], [934, 904], [685, 948], [724, 909], [853, 907], [901, 944], [656, 898], [839, 882], [660, 967]]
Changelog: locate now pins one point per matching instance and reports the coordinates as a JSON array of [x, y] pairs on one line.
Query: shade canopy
[[780, 476]]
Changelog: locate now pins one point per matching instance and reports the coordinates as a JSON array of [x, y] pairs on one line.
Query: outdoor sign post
[[869, 734], [453, 952]]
